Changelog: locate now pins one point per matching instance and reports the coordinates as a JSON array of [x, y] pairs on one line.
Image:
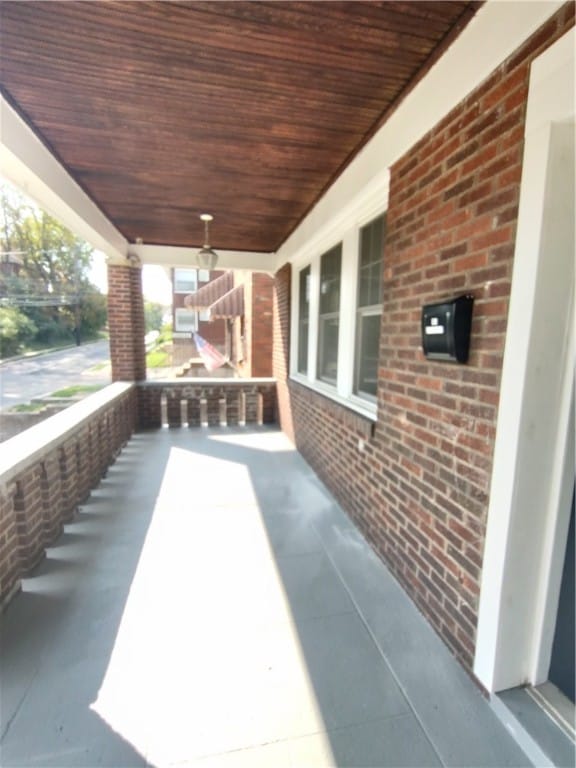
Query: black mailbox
[[446, 329]]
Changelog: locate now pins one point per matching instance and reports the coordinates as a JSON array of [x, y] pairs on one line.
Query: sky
[[155, 283]]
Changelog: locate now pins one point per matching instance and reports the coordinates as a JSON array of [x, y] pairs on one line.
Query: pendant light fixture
[[207, 258]]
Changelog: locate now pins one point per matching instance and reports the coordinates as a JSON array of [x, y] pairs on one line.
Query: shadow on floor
[[212, 605]]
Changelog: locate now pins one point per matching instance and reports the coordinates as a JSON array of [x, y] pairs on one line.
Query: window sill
[[367, 412]]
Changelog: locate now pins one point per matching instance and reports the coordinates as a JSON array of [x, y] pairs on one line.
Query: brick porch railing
[[49, 469], [206, 402]]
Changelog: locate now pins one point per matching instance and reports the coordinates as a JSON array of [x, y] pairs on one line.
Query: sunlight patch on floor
[[207, 659]]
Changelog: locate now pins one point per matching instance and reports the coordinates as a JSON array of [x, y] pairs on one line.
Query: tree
[[15, 330], [153, 314], [47, 274]]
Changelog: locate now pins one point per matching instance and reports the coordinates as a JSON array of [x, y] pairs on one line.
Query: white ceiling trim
[[175, 256], [30, 166], [495, 32]]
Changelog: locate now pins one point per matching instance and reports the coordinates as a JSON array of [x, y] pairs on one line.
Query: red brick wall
[[261, 324], [126, 323], [257, 346], [419, 488], [38, 498], [234, 401], [281, 346]]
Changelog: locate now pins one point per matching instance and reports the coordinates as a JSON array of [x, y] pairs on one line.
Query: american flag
[[211, 358]]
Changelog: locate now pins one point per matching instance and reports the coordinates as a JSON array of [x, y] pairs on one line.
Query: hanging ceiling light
[[207, 258]]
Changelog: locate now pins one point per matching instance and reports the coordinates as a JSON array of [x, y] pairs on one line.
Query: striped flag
[[211, 358]]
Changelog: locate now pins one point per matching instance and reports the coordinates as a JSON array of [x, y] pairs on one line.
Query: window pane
[[369, 306], [303, 319], [370, 263], [186, 320], [367, 352], [185, 281], [329, 316], [330, 269], [328, 349]]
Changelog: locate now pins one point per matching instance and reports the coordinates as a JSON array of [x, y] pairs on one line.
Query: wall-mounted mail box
[[446, 329]]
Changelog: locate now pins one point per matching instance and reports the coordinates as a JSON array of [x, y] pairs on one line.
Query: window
[[369, 308], [185, 281], [303, 319], [329, 314], [203, 275], [337, 295], [186, 320]]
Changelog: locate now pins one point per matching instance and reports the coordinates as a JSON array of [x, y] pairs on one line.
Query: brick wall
[[281, 346], [213, 331], [217, 403], [43, 492], [261, 324], [419, 488], [126, 323], [257, 324]]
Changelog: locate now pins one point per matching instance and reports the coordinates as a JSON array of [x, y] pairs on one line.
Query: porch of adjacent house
[[211, 604]]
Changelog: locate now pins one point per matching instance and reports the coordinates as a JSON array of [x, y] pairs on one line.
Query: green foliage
[[153, 313], [166, 334], [93, 314], [27, 408], [158, 358], [77, 389], [15, 330], [46, 273]]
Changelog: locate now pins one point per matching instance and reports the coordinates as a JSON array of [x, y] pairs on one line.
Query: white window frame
[[346, 232], [307, 288], [326, 317], [179, 313], [179, 271], [369, 310]]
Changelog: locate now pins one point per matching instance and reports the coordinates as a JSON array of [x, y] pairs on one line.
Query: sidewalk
[[211, 605]]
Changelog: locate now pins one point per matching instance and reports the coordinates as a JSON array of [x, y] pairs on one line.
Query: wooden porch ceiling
[[246, 110]]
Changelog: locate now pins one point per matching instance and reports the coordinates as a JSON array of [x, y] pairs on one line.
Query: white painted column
[[526, 521]]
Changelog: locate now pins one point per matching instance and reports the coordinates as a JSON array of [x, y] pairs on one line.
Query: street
[[25, 378]]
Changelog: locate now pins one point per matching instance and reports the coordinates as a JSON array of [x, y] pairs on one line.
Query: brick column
[[261, 324], [126, 322], [281, 347]]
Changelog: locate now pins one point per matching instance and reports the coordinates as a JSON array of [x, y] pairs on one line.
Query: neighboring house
[[242, 302], [186, 321]]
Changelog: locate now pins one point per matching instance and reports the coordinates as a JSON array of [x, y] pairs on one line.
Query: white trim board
[[30, 166], [178, 256], [495, 32], [528, 517]]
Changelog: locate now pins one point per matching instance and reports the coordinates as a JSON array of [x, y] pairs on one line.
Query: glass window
[[303, 319], [186, 320], [369, 310], [329, 315], [185, 281]]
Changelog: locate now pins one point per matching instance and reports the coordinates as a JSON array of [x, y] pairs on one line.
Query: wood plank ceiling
[[246, 110]]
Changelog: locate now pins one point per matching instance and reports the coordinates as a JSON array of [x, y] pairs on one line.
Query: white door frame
[[533, 473]]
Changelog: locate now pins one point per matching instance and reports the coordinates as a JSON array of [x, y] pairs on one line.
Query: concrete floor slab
[[211, 605]]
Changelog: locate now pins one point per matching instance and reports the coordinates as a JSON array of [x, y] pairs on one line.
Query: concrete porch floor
[[211, 605]]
